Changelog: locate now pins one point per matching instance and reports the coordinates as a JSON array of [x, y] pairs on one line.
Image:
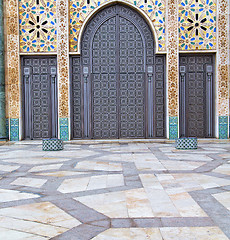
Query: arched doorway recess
[[118, 81]]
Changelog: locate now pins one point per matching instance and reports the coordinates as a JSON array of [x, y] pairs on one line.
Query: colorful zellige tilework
[[37, 25], [79, 10], [197, 24]]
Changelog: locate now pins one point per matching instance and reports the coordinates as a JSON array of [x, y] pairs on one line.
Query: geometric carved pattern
[[37, 25], [132, 81], [118, 81], [79, 10], [195, 94], [40, 95], [159, 101], [197, 24], [76, 97], [104, 83]]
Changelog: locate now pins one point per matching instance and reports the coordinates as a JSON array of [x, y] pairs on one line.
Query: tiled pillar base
[[2, 115], [14, 129], [173, 127], [223, 127], [64, 128], [7, 128]]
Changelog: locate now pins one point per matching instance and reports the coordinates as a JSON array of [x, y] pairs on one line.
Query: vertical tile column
[[13, 67], [2, 77], [223, 68], [63, 68], [173, 68]]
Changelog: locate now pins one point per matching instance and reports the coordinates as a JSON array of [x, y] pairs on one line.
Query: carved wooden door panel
[[196, 95], [121, 81], [40, 97]]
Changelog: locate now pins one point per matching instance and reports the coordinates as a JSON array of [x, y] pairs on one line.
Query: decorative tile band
[[223, 58], [2, 112], [7, 128], [14, 129], [173, 127], [197, 24], [63, 58], [79, 11], [173, 59], [37, 23], [223, 127], [64, 128]]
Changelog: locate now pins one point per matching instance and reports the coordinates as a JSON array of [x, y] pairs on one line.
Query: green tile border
[[173, 127], [64, 128], [14, 129], [223, 127]]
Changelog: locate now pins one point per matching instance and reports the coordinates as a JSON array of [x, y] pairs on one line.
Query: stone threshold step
[[122, 141]]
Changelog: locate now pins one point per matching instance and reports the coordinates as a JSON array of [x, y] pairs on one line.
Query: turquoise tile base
[[7, 128], [2, 113], [64, 129], [173, 127], [14, 129], [223, 127]]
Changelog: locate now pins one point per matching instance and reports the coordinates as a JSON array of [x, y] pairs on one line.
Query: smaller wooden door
[[196, 95], [40, 97]]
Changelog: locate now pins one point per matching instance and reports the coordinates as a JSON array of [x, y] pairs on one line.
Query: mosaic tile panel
[[223, 127], [172, 59], [63, 58], [197, 24], [13, 60], [14, 129], [2, 112], [64, 128], [223, 58], [173, 127], [37, 19], [79, 10], [7, 128]]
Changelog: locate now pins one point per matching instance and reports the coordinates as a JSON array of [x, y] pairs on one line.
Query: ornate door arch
[[120, 78]]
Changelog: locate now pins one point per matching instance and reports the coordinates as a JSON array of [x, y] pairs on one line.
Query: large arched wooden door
[[121, 81]]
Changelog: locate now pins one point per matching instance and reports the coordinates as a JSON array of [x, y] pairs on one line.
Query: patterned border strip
[[13, 59], [223, 127], [63, 58], [14, 129], [173, 127], [7, 128], [64, 128], [173, 59], [223, 59]]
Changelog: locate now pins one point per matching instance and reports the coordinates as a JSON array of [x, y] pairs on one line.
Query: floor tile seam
[[160, 222], [34, 234], [210, 191], [34, 221], [70, 232], [81, 206], [77, 175], [218, 206], [30, 190], [217, 175], [208, 166], [101, 191]]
